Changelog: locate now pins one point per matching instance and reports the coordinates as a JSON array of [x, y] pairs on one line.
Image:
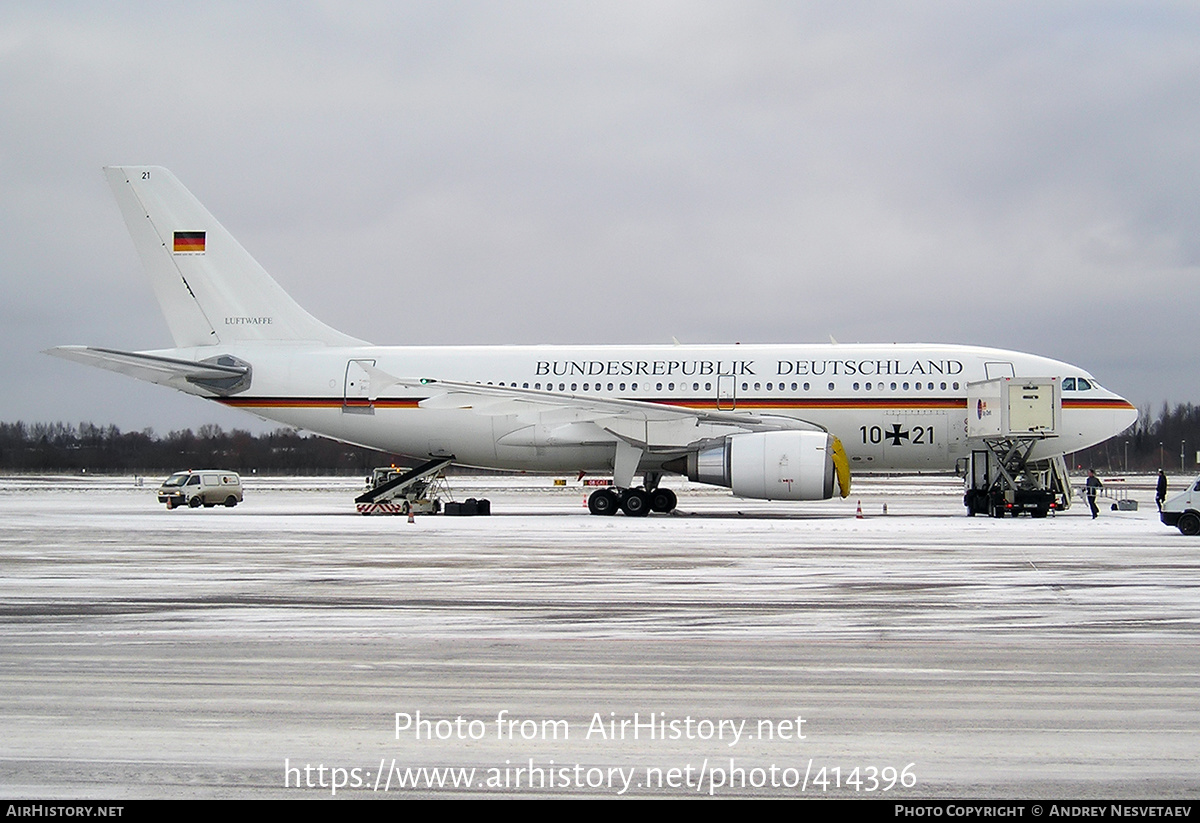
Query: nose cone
[[1123, 414], [1123, 418]]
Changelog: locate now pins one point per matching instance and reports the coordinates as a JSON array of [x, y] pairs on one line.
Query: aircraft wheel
[[230, 501], [635, 502], [663, 500], [603, 501], [1189, 524], [195, 502]]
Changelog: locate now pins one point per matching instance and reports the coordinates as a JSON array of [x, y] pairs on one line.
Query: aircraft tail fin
[[211, 290]]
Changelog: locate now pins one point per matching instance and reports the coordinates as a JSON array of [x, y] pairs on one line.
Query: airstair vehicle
[[404, 491]]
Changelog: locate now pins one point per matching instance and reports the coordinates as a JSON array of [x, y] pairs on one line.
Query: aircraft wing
[[637, 426], [653, 426], [157, 369]]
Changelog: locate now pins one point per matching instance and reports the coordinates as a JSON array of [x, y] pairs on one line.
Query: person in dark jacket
[[1160, 493], [1093, 487]]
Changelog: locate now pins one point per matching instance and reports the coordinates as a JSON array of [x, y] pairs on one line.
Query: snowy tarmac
[[286, 646]]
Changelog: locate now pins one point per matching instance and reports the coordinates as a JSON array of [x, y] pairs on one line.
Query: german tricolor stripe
[[1098, 403], [189, 242]]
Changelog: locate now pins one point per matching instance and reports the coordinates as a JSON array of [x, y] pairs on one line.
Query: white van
[[1182, 510], [201, 487]]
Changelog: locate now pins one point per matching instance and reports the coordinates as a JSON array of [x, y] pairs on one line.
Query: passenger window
[[194, 480]]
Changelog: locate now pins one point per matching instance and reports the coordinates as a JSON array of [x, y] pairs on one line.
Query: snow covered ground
[[147, 653]]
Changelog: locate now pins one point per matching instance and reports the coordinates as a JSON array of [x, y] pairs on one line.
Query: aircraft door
[[995, 369], [356, 397], [726, 392], [928, 437]]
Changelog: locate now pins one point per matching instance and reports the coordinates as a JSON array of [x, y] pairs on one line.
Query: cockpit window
[[1084, 385], [1068, 384]]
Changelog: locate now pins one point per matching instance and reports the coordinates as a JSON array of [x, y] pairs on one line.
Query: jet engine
[[777, 465]]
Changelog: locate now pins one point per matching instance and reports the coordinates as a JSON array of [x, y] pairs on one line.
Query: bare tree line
[[1168, 441], [62, 447]]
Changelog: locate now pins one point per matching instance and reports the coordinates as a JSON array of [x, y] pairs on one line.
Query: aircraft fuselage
[[894, 407]]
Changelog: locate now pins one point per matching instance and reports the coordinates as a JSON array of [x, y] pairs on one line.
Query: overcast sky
[[1014, 174]]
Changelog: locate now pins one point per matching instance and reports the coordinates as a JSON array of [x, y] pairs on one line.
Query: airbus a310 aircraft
[[776, 422]]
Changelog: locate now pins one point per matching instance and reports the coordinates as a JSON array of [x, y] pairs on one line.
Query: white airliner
[[776, 422]]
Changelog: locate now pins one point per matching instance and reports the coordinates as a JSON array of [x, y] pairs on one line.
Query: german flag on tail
[[189, 242]]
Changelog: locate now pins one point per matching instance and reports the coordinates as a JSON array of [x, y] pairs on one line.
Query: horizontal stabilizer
[[221, 378]]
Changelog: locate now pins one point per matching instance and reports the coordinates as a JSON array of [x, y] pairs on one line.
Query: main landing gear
[[634, 502]]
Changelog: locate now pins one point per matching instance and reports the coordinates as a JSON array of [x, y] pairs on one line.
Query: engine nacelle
[[778, 465]]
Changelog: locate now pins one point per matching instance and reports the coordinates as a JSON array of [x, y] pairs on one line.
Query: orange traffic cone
[[411, 519], [859, 514]]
